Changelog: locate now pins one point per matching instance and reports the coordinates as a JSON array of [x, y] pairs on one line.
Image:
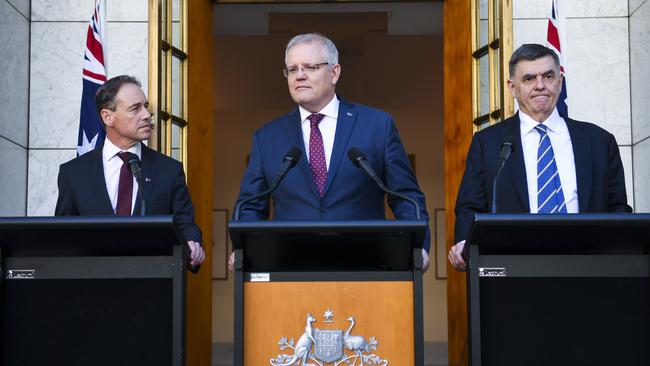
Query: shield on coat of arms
[[328, 345]]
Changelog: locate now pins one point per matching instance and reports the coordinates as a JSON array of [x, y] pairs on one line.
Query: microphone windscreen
[[132, 158], [293, 155], [508, 140], [355, 155]]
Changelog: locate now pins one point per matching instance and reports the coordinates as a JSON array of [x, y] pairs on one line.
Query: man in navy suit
[[586, 157], [325, 185], [90, 184]]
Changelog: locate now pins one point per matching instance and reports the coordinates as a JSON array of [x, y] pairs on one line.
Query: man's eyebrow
[[135, 105], [547, 72]]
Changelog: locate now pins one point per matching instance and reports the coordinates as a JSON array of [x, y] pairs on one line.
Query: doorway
[[392, 59]]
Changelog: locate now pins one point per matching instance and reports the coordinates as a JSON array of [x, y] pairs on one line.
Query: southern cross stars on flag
[[94, 75]]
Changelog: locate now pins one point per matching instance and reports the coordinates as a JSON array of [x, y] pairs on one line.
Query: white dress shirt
[[112, 165], [327, 127], [558, 133]]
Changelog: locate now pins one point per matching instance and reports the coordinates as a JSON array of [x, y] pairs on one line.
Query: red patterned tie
[[317, 153], [125, 189]]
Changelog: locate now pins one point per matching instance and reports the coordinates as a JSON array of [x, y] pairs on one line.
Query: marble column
[[14, 97], [640, 95]]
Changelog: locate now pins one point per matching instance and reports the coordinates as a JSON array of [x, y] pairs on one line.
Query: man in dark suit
[[326, 185], [100, 183], [557, 165]]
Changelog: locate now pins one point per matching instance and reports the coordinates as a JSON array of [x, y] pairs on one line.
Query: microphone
[[506, 150], [134, 166], [360, 161], [289, 161]]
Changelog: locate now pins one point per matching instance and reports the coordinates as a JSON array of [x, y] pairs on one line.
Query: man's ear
[[336, 73], [107, 117]]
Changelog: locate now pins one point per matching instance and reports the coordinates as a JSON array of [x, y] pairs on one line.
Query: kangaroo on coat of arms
[[329, 347], [302, 350]]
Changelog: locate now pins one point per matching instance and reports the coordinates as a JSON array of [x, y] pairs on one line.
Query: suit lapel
[[98, 181], [582, 158], [148, 173], [515, 164], [344, 124], [294, 132]]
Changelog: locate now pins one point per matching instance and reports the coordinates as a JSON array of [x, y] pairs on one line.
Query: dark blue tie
[[550, 198]]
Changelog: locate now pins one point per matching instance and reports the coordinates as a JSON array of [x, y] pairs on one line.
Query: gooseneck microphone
[[361, 161], [289, 161], [506, 150], [134, 166]]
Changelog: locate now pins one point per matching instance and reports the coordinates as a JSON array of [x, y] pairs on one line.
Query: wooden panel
[[199, 175], [383, 310], [458, 134], [341, 24]]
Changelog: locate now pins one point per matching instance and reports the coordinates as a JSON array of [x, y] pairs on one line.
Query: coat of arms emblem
[[321, 347]]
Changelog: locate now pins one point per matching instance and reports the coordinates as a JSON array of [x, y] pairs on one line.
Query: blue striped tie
[[550, 198]]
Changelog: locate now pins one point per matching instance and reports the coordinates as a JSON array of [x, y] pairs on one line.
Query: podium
[[92, 291], [328, 292], [559, 289]]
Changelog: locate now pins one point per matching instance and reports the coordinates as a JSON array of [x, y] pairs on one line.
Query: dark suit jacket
[[599, 173], [82, 189], [349, 193]]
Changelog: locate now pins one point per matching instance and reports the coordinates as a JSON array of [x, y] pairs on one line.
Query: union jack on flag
[[553, 40], [93, 76]]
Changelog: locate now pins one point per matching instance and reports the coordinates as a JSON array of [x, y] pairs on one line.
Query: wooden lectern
[[328, 292]]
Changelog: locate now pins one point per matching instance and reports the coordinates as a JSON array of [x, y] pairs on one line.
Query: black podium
[[92, 291], [333, 273], [559, 289]]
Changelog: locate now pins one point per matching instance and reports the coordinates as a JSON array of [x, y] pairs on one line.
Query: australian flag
[[94, 75], [553, 40]]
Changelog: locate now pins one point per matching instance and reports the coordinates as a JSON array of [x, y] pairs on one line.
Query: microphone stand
[[361, 161]]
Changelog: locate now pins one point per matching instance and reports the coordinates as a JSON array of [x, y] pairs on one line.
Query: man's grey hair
[[329, 50], [531, 52]]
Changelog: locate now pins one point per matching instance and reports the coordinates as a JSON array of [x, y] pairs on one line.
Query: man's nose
[[146, 114], [301, 74], [539, 82]]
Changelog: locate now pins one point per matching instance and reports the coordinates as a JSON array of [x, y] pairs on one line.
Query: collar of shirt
[[112, 166], [327, 128], [331, 110], [109, 151], [554, 123]]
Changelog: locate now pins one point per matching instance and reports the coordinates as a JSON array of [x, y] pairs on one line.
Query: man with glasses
[[557, 165], [325, 185], [100, 182]]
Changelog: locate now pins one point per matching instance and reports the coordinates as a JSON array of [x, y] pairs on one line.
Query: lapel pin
[[349, 114], [147, 179]]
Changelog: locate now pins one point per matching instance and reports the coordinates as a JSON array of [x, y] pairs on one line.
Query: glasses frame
[[307, 69]]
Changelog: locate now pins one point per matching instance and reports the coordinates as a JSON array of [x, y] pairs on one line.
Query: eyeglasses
[[307, 69]]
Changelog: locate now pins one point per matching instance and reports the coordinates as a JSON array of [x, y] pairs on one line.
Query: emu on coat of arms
[[318, 347]]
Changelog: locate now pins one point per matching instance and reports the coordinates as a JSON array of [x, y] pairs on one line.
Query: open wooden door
[[200, 174], [458, 135]]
